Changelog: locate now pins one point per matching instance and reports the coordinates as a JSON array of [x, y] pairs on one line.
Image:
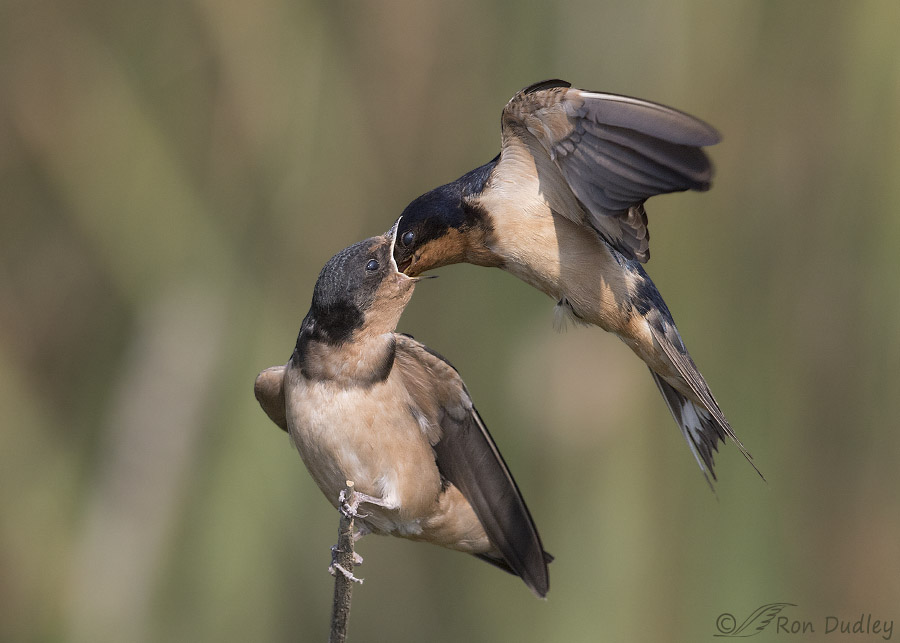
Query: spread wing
[[467, 457], [269, 391], [611, 152]]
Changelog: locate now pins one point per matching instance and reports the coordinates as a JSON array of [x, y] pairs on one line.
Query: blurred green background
[[174, 174]]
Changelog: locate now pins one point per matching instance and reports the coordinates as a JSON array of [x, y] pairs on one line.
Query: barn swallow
[[562, 208], [366, 404]]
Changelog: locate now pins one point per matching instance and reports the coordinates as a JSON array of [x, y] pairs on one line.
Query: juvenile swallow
[[562, 208], [366, 404]]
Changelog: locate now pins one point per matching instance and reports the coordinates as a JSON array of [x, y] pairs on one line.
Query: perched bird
[[366, 404], [562, 208]]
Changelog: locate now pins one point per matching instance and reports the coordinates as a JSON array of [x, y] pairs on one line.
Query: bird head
[[447, 225], [432, 232], [359, 291]]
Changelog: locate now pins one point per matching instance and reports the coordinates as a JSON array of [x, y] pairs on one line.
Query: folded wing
[[269, 391], [468, 458]]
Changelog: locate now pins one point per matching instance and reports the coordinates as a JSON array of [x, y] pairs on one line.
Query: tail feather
[[702, 434], [703, 424]]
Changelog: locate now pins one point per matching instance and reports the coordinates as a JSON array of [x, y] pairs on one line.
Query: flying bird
[[562, 208], [366, 404]]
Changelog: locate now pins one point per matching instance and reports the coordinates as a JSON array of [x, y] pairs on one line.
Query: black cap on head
[[349, 286]]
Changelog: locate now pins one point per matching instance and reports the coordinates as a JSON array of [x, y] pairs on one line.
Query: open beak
[[392, 235]]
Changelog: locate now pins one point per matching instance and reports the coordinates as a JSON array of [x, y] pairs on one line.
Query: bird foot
[[350, 506], [335, 567], [357, 559]]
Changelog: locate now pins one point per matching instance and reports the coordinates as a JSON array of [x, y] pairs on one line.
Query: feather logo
[[753, 624]]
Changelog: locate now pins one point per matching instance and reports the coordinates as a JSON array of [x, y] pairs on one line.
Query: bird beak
[[392, 235]]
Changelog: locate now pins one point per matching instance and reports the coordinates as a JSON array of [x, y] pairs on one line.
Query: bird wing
[[612, 152], [467, 457], [269, 390]]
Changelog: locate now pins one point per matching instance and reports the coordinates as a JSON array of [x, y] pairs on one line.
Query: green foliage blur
[[173, 175]]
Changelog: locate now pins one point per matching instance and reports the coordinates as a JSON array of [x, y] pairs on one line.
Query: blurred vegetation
[[174, 174]]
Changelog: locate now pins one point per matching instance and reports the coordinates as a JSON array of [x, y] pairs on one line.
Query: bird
[[561, 207], [365, 404]]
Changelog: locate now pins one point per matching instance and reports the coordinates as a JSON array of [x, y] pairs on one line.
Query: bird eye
[[372, 265], [407, 238]]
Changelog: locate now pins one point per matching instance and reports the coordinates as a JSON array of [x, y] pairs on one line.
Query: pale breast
[[556, 255], [367, 435]]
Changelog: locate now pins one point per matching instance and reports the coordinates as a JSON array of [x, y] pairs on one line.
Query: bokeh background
[[174, 174]]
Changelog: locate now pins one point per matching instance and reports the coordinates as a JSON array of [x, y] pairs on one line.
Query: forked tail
[[702, 424]]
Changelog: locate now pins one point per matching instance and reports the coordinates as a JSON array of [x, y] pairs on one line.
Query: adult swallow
[[366, 404], [562, 208]]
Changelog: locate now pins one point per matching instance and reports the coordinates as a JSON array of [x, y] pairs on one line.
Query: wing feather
[[467, 456], [612, 153], [269, 391]]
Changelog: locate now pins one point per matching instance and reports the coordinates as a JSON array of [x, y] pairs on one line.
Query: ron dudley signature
[[769, 617]]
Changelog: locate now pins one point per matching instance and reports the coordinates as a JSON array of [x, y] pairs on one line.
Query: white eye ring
[[372, 265]]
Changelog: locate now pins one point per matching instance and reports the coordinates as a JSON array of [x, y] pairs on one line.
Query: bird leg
[[348, 504], [336, 567], [372, 500]]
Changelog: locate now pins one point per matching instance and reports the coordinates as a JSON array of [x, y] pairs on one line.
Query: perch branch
[[342, 560]]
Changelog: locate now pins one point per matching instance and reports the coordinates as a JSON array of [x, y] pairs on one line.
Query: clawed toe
[[350, 506], [335, 567]]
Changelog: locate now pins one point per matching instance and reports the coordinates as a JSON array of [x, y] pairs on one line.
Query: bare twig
[[342, 561]]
